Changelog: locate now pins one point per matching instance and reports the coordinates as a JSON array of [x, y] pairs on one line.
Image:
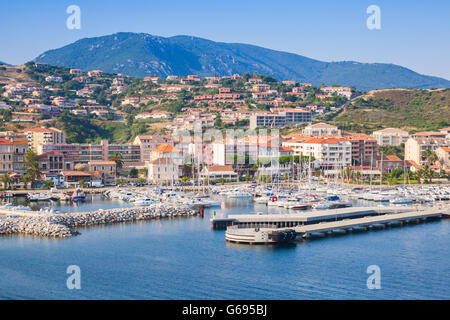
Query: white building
[[328, 152], [390, 137], [163, 170], [321, 129], [215, 173]]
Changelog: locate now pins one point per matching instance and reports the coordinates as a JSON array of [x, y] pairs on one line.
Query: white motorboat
[[401, 201], [143, 202]]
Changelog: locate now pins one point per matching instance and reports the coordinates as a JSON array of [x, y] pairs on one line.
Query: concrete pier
[[342, 226]]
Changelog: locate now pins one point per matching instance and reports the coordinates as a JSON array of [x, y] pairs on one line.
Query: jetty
[[265, 230], [302, 218]]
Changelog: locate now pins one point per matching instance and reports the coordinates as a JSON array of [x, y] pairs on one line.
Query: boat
[[34, 197], [239, 194], [78, 196], [143, 202], [401, 201], [299, 206], [323, 206]]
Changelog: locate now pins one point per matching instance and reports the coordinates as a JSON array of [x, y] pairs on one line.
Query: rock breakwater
[[64, 225]]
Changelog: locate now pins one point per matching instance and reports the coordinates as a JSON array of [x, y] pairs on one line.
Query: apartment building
[[430, 134], [443, 154], [71, 153], [20, 147], [329, 153], [106, 169], [131, 153], [51, 162], [415, 148], [6, 156], [163, 170], [280, 118], [390, 136], [364, 149], [321, 129], [147, 143], [37, 137], [340, 91]]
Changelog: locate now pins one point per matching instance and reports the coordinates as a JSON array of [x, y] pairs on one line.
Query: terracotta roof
[[102, 162], [446, 149], [20, 142], [323, 141], [165, 148], [5, 141], [412, 163], [392, 158], [81, 173], [220, 168]]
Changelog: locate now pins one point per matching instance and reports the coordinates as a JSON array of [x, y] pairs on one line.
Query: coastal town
[[217, 159], [163, 116]]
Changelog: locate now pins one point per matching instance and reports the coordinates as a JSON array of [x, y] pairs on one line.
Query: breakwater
[[64, 225]]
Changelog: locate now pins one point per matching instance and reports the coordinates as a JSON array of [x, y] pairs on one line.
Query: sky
[[413, 34]]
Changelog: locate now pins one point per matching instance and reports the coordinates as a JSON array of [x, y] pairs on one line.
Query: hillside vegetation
[[13, 74], [409, 109]]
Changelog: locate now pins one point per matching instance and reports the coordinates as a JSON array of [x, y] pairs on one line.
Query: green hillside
[[398, 108]]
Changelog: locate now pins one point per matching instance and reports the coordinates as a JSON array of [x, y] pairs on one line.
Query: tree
[[117, 158], [6, 179], [26, 179], [133, 173], [184, 179], [82, 182], [144, 172], [49, 183], [358, 176], [32, 166]]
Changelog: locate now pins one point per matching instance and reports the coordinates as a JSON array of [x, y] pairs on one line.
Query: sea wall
[[64, 225]]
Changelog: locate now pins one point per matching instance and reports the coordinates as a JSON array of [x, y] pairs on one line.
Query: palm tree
[[32, 166], [431, 156], [117, 158], [26, 179], [358, 176], [6, 179], [428, 172]]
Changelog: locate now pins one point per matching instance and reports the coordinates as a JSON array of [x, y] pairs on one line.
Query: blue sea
[[184, 259]]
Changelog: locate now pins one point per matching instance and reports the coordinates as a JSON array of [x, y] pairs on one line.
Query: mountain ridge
[[142, 54]]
